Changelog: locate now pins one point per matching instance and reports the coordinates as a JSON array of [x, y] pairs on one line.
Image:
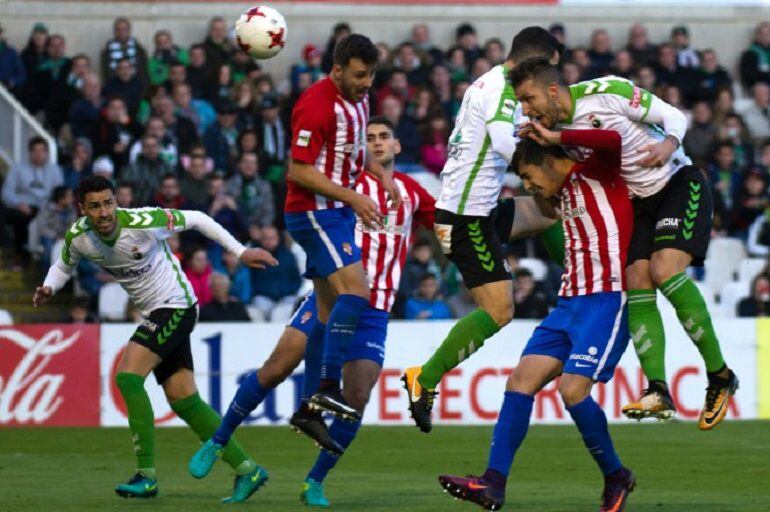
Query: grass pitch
[[678, 469]]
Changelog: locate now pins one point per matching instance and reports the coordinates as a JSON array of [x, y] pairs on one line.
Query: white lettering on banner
[[34, 393], [470, 394]]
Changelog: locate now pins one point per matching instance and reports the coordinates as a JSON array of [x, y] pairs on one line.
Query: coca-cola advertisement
[[49, 375]]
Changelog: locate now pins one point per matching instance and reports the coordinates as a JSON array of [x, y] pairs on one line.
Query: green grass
[[678, 469]]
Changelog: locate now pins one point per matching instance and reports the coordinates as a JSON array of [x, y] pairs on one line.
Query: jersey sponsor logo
[[303, 138], [574, 212], [667, 223], [584, 357], [148, 324], [444, 235], [636, 99], [128, 273]]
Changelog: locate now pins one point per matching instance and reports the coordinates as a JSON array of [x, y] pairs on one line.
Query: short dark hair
[[169, 176], [93, 183], [427, 276], [537, 69], [125, 184], [34, 141], [58, 193], [355, 46], [529, 152], [534, 42], [383, 121]]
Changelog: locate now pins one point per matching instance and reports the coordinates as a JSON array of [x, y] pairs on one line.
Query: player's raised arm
[[211, 229]]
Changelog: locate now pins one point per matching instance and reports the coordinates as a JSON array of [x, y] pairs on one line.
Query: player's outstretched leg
[[141, 419], [649, 337], [696, 320]]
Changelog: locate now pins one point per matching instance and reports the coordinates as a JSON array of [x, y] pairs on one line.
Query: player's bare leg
[[495, 301]]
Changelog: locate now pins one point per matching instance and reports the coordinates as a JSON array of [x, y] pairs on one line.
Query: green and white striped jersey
[[473, 174], [138, 256], [614, 103]]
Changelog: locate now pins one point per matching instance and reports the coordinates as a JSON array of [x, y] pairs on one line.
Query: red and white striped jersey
[[383, 250], [329, 133], [598, 217]]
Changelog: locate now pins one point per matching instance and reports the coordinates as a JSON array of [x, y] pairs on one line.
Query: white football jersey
[[473, 174], [138, 256], [614, 103]]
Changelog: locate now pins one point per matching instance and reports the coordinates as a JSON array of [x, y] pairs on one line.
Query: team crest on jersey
[[303, 138], [135, 253], [347, 248], [595, 121], [306, 317]]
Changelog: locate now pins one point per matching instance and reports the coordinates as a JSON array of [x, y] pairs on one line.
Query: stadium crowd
[[205, 128]]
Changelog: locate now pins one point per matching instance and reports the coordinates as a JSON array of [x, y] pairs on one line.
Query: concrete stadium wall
[[87, 24]]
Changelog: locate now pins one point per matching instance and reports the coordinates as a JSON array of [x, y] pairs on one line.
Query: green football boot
[[313, 494], [246, 485], [139, 486], [203, 460]]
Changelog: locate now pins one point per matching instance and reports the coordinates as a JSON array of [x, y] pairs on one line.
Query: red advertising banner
[[49, 375]]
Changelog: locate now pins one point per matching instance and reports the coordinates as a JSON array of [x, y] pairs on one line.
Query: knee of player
[[660, 273], [573, 391], [517, 382]]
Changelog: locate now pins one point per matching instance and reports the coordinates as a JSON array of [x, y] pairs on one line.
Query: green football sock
[[695, 318], [646, 327], [553, 240], [204, 421], [466, 337], [141, 419]]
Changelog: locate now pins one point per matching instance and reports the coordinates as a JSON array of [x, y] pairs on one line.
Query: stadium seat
[[5, 317], [708, 294], [730, 295], [429, 181], [750, 268], [537, 267], [255, 313], [726, 252], [113, 300]]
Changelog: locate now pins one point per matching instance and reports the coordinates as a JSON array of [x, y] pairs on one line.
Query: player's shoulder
[[492, 82], [148, 218], [80, 227], [322, 90], [604, 87]]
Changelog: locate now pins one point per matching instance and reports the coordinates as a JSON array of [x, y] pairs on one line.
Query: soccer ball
[[261, 32]]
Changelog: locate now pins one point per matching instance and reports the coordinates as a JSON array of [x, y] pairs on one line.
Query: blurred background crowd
[[205, 128]]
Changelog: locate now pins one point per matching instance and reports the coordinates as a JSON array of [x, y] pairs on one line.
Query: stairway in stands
[[17, 288]]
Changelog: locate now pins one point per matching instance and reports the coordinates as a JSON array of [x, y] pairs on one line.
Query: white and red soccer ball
[[261, 32]]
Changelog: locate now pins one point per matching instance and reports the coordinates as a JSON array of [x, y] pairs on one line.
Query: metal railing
[[17, 126]]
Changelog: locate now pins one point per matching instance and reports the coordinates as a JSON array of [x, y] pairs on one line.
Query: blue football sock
[[314, 350], [340, 329], [249, 395], [341, 431], [592, 423], [510, 430]]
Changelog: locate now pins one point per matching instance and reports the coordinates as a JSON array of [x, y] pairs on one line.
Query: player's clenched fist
[[258, 258], [42, 295]]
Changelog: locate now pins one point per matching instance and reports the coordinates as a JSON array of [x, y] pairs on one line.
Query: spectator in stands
[[166, 53], [182, 130], [339, 31], [49, 80], [54, 219], [528, 302], [12, 72], [461, 303], [219, 50], [222, 207], [734, 131], [200, 112], [764, 157], [115, 132], [311, 63], [244, 96], [33, 54], [199, 71], [198, 270], [755, 61], [494, 51], [220, 86], [751, 202], [465, 38], [103, 167], [710, 77], [723, 105], [642, 50], [672, 94], [646, 78], [559, 33], [125, 83], [622, 65], [570, 73], [124, 196], [80, 312], [407, 60], [429, 53], [248, 142], [147, 171], [421, 261], [757, 115], [457, 64], [275, 288], [274, 137], [253, 194], [177, 74], [27, 187], [702, 134], [193, 185], [441, 86], [244, 67], [686, 56], [758, 241], [157, 128], [85, 110], [222, 137], [423, 106], [481, 66], [79, 165], [433, 151], [398, 87], [224, 307], [406, 132], [240, 279], [123, 45], [427, 304], [600, 53], [724, 172], [758, 305], [667, 71], [169, 194]]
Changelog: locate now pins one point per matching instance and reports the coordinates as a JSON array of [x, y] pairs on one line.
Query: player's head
[[542, 169], [96, 199], [355, 61], [534, 42], [381, 141], [537, 84]]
